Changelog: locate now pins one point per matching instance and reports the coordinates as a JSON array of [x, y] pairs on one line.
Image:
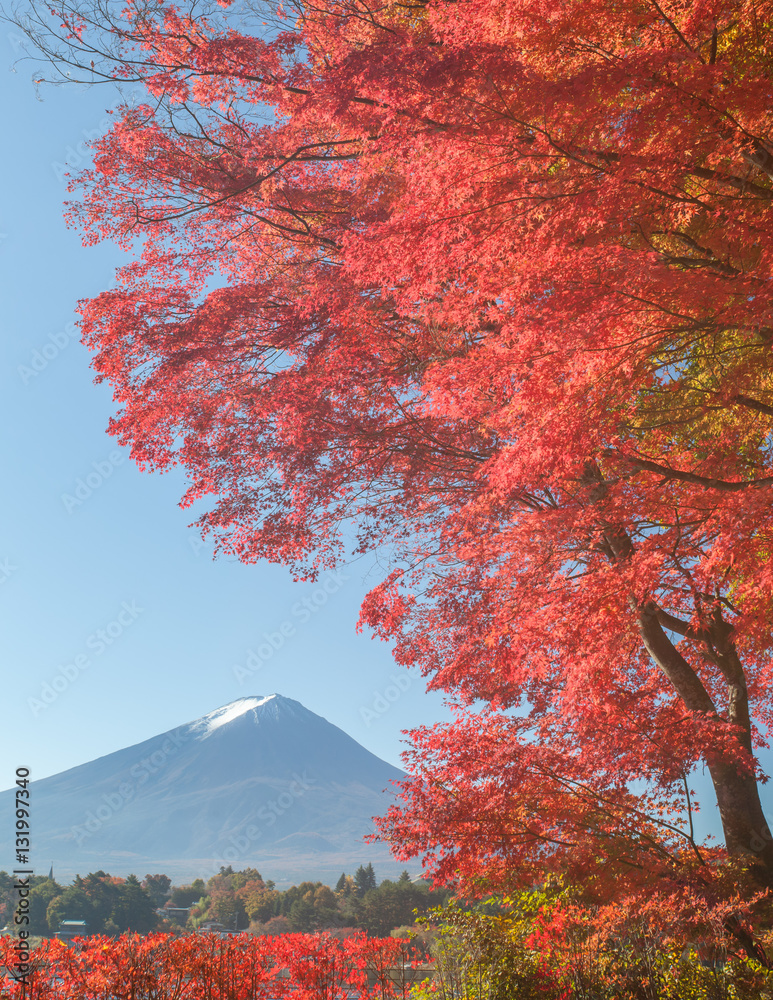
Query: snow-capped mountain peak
[[227, 713]]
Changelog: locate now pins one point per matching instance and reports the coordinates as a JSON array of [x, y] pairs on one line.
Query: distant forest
[[232, 900]]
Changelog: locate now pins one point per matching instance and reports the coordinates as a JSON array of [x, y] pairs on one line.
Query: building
[[69, 929]]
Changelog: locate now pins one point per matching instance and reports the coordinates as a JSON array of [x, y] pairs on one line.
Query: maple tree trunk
[[743, 821], [744, 825]]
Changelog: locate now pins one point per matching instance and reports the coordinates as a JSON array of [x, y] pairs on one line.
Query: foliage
[[541, 945], [204, 967], [486, 282], [109, 905], [234, 899], [364, 879], [158, 887], [42, 891], [239, 899], [186, 895], [547, 944], [482, 953]]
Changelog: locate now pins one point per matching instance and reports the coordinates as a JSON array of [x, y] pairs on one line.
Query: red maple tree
[[490, 281]]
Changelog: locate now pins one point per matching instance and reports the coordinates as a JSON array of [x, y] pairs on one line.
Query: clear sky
[[111, 609]]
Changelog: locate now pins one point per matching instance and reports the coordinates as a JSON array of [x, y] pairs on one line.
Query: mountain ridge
[[260, 781]]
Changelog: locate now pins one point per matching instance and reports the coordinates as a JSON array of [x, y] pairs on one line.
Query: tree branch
[[684, 679], [668, 473], [753, 404]]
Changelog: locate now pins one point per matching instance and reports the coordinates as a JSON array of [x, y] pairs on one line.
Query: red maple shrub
[[206, 967]]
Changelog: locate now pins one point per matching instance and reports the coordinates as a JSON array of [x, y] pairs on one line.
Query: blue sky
[[116, 622]]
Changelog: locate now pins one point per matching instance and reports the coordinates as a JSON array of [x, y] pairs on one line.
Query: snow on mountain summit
[[227, 713]]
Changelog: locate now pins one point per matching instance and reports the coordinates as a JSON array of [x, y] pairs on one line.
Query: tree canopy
[[108, 904], [484, 284]]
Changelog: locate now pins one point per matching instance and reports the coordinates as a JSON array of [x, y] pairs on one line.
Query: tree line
[[234, 900], [243, 899]]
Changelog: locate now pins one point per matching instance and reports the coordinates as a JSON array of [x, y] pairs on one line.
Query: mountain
[[261, 782]]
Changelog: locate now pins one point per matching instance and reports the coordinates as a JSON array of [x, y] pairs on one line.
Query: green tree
[[346, 888], [9, 898], [326, 912], [365, 879], [133, 909], [40, 899], [383, 909], [301, 915], [187, 895], [108, 905], [157, 887], [73, 904], [394, 904], [310, 906], [261, 904], [102, 891], [481, 953]]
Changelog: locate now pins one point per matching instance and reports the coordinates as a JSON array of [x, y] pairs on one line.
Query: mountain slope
[[261, 782]]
